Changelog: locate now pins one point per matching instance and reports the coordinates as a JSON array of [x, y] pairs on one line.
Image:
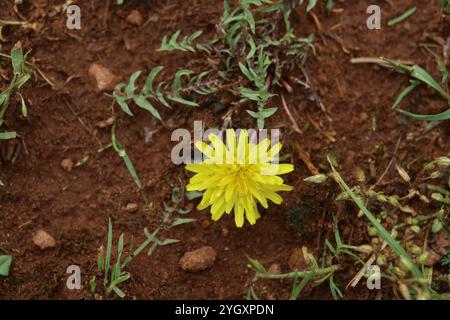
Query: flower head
[[238, 176]]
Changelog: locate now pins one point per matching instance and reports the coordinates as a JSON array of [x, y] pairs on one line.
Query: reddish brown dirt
[[74, 206]]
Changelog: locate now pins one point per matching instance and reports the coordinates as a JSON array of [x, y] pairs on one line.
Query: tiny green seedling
[[123, 154], [5, 264], [21, 74], [113, 273]]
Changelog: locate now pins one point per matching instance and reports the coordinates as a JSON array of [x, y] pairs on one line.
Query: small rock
[[67, 164], [274, 269], [104, 78], [131, 207], [43, 240], [135, 18], [198, 260]]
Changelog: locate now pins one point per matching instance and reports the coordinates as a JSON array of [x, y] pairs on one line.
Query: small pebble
[[135, 18], [131, 207], [43, 240], [67, 164], [198, 260]]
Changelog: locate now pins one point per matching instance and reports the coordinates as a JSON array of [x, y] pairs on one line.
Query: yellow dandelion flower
[[238, 176]]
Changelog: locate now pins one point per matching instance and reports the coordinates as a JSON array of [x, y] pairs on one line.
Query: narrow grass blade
[[122, 153], [8, 135], [424, 117], [402, 17], [108, 250], [297, 289], [404, 93], [422, 75]]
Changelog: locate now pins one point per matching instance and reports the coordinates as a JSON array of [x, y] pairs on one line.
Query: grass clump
[[113, 273], [21, 74], [253, 51], [420, 76]]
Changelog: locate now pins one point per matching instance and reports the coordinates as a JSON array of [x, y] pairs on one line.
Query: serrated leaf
[[254, 114], [194, 36], [246, 72], [176, 85], [183, 101], [268, 112], [173, 39], [249, 93], [131, 87], [148, 86], [122, 103], [181, 221], [163, 44], [144, 104]]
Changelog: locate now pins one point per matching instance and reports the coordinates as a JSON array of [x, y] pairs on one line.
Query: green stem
[[297, 274]]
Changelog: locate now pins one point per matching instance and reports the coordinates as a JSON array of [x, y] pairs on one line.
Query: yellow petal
[[205, 149], [239, 214], [242, 147]]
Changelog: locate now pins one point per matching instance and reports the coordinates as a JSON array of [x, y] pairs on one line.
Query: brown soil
[[74, 206]]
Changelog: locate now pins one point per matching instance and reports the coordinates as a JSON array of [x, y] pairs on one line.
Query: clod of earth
[[104, 78], [198, 260], [135, 18], [67, 164], [43, 240], [131, 207]]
